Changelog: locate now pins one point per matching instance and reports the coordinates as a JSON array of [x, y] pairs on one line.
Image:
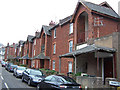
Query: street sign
[[114, 83]]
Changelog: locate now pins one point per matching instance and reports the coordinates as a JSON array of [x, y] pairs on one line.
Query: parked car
[[58, 82], [18, 71], [11, 68], [8, 66], [32, 76], [3, 63]]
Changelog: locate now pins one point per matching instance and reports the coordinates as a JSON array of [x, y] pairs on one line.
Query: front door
[[108, 62], [42, 63]]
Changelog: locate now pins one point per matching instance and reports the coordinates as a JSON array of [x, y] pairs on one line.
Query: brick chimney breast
[[52, 23], [37, 33]]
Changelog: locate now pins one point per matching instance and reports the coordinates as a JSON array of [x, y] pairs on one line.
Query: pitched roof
[[41, 56], [101, 9], [63, 21], [29, 38], [25, 57], [21, 42], [88, 48], [46, 30]]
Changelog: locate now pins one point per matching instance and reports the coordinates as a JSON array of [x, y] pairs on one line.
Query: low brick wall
[[94, 82]]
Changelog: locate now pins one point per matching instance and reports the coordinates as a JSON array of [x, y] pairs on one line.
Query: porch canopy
[[25, 57], [88, 49], [41, 56], [100, 52]]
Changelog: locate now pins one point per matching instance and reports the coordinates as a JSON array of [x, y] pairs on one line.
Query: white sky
[[20, 18]]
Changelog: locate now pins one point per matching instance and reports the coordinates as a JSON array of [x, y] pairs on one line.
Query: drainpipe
[[75, 62], [103, 75], [59, 64]]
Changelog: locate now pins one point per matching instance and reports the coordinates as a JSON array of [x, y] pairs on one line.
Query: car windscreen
[[13, 66], [69, 80], [35, 72], [21, 68]]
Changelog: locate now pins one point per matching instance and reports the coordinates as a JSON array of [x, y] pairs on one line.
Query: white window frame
[[53, 68], [34, 52], [70, 45], [71, 28], [54, 48], [37, 64], [70, 66], [35, 42], [55, 33]]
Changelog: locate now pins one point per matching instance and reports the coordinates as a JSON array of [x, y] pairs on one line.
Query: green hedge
[[48, 72]]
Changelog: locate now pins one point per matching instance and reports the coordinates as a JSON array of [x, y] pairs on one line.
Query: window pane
[[70, 46], [53, 64], [55, 33], [71, 28], [54, 49], [70, 66]]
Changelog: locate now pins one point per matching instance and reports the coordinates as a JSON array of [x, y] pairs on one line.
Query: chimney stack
[[52, 23], [37, 33], [7, 44]]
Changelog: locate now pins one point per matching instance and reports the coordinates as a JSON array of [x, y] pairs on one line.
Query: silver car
[[18, 71]]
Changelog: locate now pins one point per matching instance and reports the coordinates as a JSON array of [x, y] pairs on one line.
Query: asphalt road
[[9, 82]]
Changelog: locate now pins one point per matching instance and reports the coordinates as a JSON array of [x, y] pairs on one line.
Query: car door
[[53, 82], [25, 74], [46, 83]]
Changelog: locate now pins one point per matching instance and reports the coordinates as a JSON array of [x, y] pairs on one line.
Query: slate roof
[[25, 57], [101, 9], [46, 30], [30, 38], [63, 21], [41, 56], [89, 48], [21, 42]]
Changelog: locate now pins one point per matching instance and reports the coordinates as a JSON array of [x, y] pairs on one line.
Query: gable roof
[[95, 8], [65, 20], [89, 48], [29, 38], [46, 30]]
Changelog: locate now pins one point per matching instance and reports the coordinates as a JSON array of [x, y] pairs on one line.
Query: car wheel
[[38, 87], [16, 75], [22, 79], [29, 82]]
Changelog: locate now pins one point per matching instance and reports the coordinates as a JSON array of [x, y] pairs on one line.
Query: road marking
[[6, 86], [2, 78]]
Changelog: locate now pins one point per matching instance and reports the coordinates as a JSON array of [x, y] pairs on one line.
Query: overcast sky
[[20, 18]]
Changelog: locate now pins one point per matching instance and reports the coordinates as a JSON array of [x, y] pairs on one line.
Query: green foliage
[[24, 65], [78, 74], [48, 72]]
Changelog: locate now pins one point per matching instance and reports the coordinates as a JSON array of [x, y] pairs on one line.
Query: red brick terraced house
[[88, 41], [41, 48], [19, 51], [95, 41], [10, 52], [27, 51]]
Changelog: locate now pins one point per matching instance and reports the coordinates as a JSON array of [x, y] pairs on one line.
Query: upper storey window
[[71, 28], [55, 33]]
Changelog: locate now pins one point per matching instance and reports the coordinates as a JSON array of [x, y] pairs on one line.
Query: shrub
[[78, 74], [24, 65]]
